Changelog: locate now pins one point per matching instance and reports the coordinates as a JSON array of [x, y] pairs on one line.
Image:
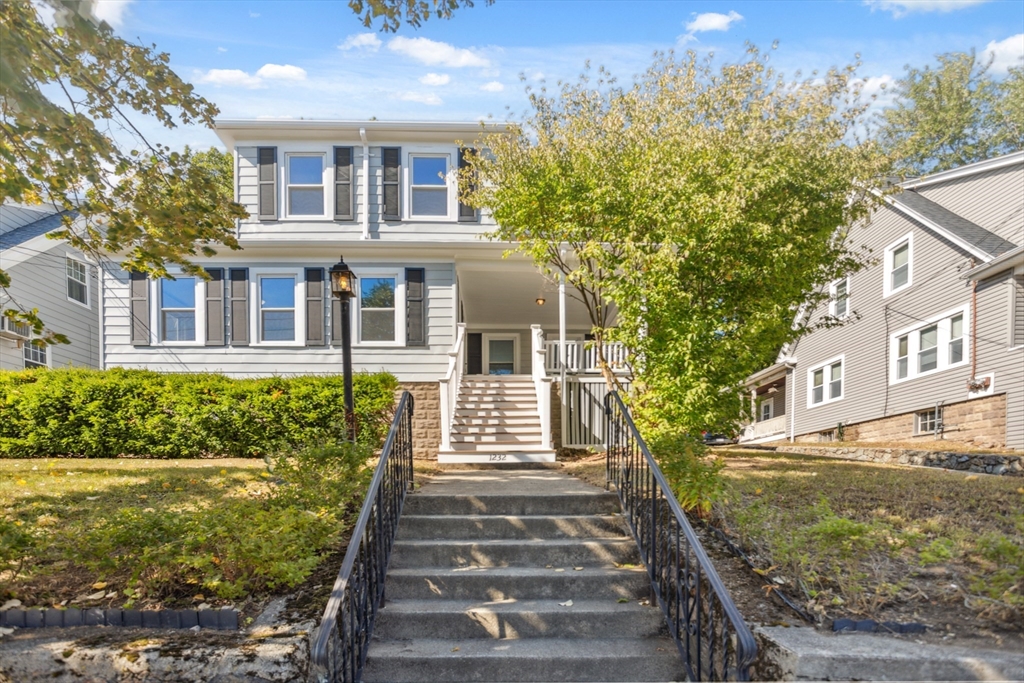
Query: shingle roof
[[31, 231], [969, 232]]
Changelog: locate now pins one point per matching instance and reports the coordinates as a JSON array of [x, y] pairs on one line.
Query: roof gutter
[[935, 227], [1014, 257]]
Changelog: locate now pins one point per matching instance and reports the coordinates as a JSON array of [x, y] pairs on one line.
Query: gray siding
[[41, 282], [413, 364], [992, 200], [937, 287]]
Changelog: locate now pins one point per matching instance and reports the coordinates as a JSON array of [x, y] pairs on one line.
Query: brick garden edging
[[981, 463], [218, 619]]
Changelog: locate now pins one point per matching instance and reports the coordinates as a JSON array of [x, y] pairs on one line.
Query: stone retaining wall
[[426, 418], [982, 463]]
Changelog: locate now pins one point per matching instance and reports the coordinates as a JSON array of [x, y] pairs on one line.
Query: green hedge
[[111, 413]]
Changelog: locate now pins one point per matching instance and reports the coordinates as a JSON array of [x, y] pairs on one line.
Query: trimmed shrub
[[115, 413]]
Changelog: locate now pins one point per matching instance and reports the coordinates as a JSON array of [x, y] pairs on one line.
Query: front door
[[500, 354]]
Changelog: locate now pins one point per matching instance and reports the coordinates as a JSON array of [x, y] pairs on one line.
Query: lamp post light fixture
[[343, 288]]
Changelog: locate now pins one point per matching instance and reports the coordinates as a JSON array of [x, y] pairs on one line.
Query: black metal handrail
[[343, 639], [713, 640]]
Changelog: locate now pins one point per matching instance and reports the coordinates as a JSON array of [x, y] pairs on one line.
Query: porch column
[[561, 326]]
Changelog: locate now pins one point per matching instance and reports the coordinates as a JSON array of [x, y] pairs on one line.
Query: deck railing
[[581, 356], [343, 638], [713, 640], [764, 428]]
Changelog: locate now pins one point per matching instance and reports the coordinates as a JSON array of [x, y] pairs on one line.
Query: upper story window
[[178, 310], [429, 185], [825, 383], [305, 184], [932, 346], [78, 281], [35, 355], [840, 297], [277, 308], [899, 264]]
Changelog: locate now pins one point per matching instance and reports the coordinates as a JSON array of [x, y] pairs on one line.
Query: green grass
[[855, 534], [150, 532]]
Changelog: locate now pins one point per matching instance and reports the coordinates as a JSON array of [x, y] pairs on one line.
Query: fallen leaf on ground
[[92, 497], [96, 596], [99, 585], [455, 649], [560, 569], [623, 600], [567, 603], [578, 569]]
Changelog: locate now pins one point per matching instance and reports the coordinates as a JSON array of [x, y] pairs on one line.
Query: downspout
[[792, 405], [973, 384], [366, 184]]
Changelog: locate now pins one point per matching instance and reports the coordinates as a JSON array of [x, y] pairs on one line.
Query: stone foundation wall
[[426, 418], [986, 463], [980, 422]]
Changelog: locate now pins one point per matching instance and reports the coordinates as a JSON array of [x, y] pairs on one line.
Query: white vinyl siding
[[78, 281], [933, 345]]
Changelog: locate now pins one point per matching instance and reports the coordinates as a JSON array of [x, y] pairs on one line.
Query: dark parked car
[[716, 439]]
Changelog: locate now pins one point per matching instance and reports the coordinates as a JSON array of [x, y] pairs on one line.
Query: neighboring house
[[935, 343], [471, 334], [56, 279]]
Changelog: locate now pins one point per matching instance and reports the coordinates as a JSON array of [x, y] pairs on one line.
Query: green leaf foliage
[[393, 13], [705, 204], [112, 413]]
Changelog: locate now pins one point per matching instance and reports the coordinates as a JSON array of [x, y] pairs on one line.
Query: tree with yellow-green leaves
[[71, 93], [703, 204]]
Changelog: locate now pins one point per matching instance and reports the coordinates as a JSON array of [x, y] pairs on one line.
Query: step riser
[[659, 666], [526, 439], [598, 504], [525, 554], [481, 585], [501, 428], [484, 527], [645, 622]]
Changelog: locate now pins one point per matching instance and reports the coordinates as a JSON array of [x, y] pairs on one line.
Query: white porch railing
[[449, 386], [542, 384], [760, 430], [581, 357]]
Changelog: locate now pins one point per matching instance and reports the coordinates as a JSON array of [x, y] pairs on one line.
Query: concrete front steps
[[496, 420], [484, 568]]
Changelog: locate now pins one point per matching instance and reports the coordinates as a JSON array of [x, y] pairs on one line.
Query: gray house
[[56, 279], [934, 347]]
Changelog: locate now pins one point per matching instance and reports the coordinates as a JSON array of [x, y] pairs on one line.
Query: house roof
[[964, 171], [958, 229], [20, 235], [231, 130]]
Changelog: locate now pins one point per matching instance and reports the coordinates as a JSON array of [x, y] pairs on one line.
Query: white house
[[53, 277], [472, 334]]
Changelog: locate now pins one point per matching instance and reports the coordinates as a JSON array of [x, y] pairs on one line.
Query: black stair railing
[[341, 643], [713, 640]]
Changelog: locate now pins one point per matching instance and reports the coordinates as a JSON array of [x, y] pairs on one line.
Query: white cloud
[[435, 53], [421, 97], [111, 11], [901, 8], [222, 49], [232, 78], [369, 41], [282, 72], [493, 86], [709, 21], [435, 79], [1005, 53]]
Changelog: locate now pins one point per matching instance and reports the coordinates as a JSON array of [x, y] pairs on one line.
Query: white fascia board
[[965, 171], [230, 130], [935, 227], [1014, 257]]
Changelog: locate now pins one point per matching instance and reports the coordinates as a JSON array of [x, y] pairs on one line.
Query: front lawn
[[150, 533], [886, 542]]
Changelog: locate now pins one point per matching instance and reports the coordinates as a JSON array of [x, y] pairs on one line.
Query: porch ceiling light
[[540, 300], [343, 280]]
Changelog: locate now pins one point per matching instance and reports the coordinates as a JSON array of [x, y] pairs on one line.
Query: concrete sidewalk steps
[[558, 553], [461, 527]]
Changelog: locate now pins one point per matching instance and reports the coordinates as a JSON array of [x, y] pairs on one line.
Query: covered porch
[[769, 401]]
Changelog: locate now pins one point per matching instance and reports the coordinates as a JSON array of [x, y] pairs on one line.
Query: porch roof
[[769, 372]]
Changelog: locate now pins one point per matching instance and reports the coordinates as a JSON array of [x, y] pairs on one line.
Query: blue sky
[[315, 59]]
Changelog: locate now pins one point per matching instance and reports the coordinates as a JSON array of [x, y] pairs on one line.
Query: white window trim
[[887, 289], [825, 397], [88, 282], [450, 186], [155, 324], [914, 344], [254, 306], [767, 401], [49, 356], [832, 297], [325, 168], [486, 354], [356, 307]]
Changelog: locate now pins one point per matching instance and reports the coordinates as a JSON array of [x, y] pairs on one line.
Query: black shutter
[[215, 307], [475, 353], [415, 307], [315, 307], [138, 285], [266, 161], [343, 204], [467, 213], [238, 295], [391, 161]]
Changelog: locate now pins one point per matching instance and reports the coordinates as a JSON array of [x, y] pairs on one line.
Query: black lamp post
[[343, 282]]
